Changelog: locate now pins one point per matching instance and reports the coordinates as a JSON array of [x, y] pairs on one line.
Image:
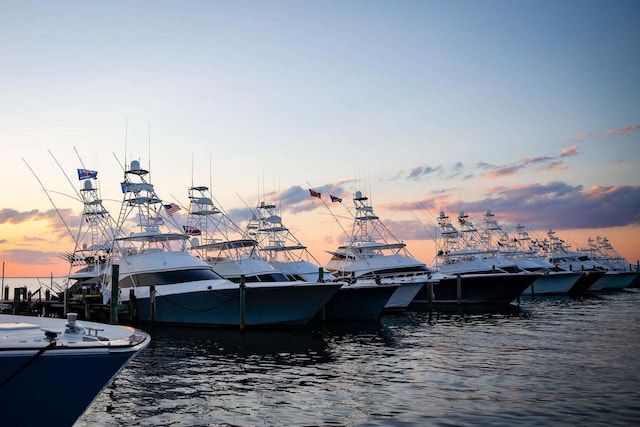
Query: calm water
[[553, 361]]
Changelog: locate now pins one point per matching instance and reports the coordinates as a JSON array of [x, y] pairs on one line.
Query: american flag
[[171, 208]]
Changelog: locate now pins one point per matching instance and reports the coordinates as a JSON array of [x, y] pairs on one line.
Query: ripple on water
[[548, 361]]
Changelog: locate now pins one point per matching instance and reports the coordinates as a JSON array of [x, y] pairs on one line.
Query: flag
[[315, 194], [191, 231], [86, 174], [335, 198], [171, 208]]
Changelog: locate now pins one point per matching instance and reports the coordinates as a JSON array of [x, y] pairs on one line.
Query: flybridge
[[136, 187]]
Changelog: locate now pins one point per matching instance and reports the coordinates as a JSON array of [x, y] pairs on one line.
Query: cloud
[[418, 205], [484, 165], [571, 151], [31, 257], [420, 171], [611, 132], [503, 171], [563, 206], [408, 230], [536, 160], [489, 171], [547, 163], [624, 131], [12, 216], [297, 199], [556, 205], [240, 215], [558, 165], [580, 136]]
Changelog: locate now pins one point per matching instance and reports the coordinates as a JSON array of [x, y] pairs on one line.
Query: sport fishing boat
[[563, 258], [230, 252], [467, 274], [51, 369], [521, 251], [90, 259], [372, 255], [171, 285], [619, 273], [282, 249]]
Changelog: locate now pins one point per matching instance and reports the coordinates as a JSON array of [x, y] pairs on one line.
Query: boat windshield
[[168, 277]]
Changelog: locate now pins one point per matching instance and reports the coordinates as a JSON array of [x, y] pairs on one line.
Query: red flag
[[314, 194], [191, 231]]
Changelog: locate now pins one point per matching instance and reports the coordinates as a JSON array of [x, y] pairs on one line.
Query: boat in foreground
[[51, 369]]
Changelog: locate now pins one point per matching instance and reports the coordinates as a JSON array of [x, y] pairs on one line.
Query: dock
[[88, 306]]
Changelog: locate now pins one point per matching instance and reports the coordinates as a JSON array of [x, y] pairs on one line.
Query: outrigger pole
[[49, 197]]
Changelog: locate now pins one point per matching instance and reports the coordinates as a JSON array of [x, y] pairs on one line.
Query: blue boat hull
[[553, 284], [585, 283], [477, 289], [84, 376], [359, 302], [291, 305]]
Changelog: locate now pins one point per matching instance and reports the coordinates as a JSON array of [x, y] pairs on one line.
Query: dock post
[[152, 303], [321, 275], [459, 288], [16, 300], [243, 290], [65, 300], [115, 278], [133, 314]]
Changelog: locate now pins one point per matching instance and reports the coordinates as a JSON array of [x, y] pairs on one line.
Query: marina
[[551, 361], [390, 213]]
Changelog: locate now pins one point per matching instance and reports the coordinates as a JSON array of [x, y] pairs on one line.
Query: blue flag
[[335, 198], [86, 174]]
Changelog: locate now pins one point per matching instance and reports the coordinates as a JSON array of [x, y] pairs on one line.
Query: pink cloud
[[580, 136], [624, 131], [558, 165], [503, 171], [571, 151]]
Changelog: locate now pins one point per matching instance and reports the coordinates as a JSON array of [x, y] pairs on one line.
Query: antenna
[[126, 134], [50, 199], [192, 167], [149, 149], [65, 175], [210, 174]]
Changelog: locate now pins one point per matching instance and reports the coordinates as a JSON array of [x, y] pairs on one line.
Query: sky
[[528, 108]]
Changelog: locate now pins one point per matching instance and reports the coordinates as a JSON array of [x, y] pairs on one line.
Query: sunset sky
[[528, 108]]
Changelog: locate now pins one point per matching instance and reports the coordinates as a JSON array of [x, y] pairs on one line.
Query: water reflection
[[551, 360]]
